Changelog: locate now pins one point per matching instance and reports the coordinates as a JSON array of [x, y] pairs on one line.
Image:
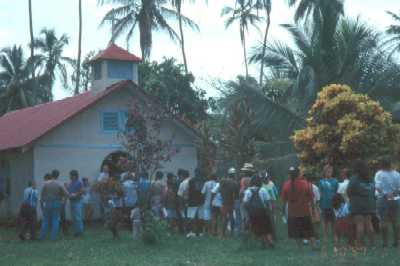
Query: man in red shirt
[[297, 194]]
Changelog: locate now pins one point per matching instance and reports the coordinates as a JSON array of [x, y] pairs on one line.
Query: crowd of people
[[353, 207]]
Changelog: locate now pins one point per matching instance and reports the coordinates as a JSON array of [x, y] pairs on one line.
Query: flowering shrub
[[343, 126]]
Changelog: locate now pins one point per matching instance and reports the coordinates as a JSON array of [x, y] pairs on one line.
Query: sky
[[213, 53]]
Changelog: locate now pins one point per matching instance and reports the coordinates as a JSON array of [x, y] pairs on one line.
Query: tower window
[[120, 70], [97, 70]]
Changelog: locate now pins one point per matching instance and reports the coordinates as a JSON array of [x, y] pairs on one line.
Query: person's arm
[[378, 183]]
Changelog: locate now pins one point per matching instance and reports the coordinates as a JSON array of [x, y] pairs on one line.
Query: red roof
[[22, 127], [114, 52]]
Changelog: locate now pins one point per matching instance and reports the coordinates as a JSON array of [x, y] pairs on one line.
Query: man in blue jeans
[[51, 197], [75, 189]]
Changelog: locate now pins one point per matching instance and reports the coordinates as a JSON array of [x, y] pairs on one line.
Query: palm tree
[[78, 68], [316, 9], [249, 117], [265, 5], [32, 37], [355, 59], [148, 15], [52, 59], [243, 12], [393, 42], [15, 81], [178, 5]]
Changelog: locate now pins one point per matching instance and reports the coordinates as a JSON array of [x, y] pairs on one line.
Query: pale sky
[[214, 52]]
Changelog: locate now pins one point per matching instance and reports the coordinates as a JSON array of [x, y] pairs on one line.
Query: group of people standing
[[353, 207]]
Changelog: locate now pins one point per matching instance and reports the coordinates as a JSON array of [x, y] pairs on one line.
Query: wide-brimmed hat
[[248, 167], [231, 171]]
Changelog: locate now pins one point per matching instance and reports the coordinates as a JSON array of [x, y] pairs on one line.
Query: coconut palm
[[16, 89], [78, 64], [178, 6], [147, 15], [355, 59], [53, 62], [393, 31], [316, 9], [244, 13], [266, 6]]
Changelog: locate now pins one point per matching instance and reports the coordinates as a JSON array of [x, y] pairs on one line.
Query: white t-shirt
[[184, 189], [342, 189], [387, 182], [207, 192], [217, 201]]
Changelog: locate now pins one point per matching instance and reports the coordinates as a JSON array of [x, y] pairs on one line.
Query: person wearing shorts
[[387, 184], [328, 187], [207, 194]]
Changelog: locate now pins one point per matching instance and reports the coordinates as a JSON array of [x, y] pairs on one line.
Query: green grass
[[97, 248]]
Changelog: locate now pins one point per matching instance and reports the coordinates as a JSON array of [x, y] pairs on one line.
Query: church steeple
[[112, 65]]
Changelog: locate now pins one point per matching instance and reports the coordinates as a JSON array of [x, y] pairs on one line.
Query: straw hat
[[248, 167]]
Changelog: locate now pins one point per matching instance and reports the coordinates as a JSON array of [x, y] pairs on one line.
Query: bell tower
[[112, 65]]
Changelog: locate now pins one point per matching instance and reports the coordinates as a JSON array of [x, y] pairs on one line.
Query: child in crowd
[[216, 204], [343, 225], [136, 220]]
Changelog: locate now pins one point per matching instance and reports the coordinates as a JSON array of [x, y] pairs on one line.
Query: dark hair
[[159, 175], [30, 182], [180, 172], [256, 181], [55, 174], [170, 176], [185, 173], [360, 168], [337, 200], [48, 176], [74, 173]]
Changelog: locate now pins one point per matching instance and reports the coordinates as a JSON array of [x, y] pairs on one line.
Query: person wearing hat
[[298, 195], [247, 171]]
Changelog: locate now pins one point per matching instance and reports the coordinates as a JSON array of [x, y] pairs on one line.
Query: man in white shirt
[[387, 185]]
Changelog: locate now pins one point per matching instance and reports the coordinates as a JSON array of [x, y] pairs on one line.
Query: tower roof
[[114, 52]]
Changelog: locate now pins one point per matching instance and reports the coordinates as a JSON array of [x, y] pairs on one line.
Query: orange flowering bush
[[343, 126]]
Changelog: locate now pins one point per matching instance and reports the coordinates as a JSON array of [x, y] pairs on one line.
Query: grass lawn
[[97, 248]]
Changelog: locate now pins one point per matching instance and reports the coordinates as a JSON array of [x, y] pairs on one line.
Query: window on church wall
[[97, 70], [110, 121], [120, 70], [115, 121]]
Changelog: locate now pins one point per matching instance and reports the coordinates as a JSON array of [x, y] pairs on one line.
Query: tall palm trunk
[[78, 67], [264, 49], [243, 37], [32, 47], [182, 39]]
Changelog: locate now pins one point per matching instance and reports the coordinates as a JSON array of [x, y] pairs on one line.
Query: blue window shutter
[[120, 70], [110, 121]]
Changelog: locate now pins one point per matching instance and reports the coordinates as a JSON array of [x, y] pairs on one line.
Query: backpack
[[196, 198], [255, 205]]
